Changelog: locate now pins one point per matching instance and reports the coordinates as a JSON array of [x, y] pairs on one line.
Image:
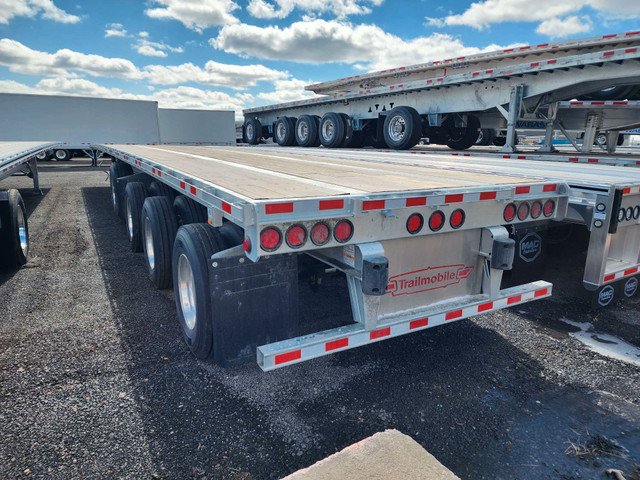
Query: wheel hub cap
[[22, 232], [396, 128], [148, 242], [328, 129]]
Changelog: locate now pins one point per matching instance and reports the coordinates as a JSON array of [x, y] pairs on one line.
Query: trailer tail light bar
[[300, 349]]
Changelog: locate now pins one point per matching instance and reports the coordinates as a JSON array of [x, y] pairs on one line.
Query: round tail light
[[246, 245], [549, 208], [270, 239], [436, 221], [296, 236], [320, 234], [457, 218], [415, 223], [509, 212], [536, 209], [523, 210], [343, 231], [629, 213], [636, 212]]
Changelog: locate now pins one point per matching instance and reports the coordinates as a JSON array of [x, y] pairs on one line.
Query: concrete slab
[[388, 455]]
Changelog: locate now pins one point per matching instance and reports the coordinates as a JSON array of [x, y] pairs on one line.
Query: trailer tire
[[402, 128], [610, 93], [485, 137], [135, 194], [307, 131], [117, 170], [332, 130], [159, 227], [61, 155], [462, 138], [373, 136], [189, 211], [284, 131], [14, 234], [43, 156], [159, 189], [252, 131], [194, 246]]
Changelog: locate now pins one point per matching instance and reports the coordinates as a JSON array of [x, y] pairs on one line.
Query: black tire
[[500, 141], [402, 128], [486, 137], [332, 130], [284, 131], [118, 170], [611, 93], [252, 131], [348, 131], [194, 246], [189, 211], [135, 194], [231, 235], [356, 141], [159, 189], [462, 138], [61, 155], [159, 227], [306, 131], [43, 156], [14, 231], [372, 135]]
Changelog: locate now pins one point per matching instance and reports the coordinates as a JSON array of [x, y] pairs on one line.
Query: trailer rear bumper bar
[[300, 349]]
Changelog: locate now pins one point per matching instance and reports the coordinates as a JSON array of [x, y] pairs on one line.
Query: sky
[[226, 54]]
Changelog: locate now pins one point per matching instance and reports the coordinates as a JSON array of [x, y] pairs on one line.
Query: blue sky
[[244, 53]]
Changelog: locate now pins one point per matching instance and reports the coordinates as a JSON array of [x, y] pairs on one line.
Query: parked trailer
[[196, 127], [419, 246], [494, 92], [17, 157], [605, 199]]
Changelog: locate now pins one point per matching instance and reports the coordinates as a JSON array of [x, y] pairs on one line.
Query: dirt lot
[[96, 382]]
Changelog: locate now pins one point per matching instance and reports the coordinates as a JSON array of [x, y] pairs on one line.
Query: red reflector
[[383, 332], [573, 159], [549, 207], [522, 190], [631, 271], [626, 190], [288, 357], [509, 212], [183, 185], [485, 306], [343, 342], [415, 223], [331, 204], [296, 236], [608, 278], [320, 234], [373, 205], [453, 198], [452, 315], [540, 293], [436, 221], [226, 207], [193, 190], [514, 299], [536, 209], [270, 239], [523, 211], [488, 195], [457, 218], [343, 231], [416, 202], [422, 322], [550, 188], [274, 208]]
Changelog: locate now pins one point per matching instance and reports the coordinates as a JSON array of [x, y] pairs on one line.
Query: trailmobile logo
[[427, 279]]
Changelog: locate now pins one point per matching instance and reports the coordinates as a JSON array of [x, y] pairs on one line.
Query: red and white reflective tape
[[631, 190], [281, 354], [610, 277]]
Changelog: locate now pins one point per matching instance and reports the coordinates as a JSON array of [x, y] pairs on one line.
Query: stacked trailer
[[419, 246], [17, 157], [449, 101], [605, 200]]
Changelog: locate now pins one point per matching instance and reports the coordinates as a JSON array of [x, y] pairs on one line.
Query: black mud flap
[[529, 261], [252, 304], [613, 292]]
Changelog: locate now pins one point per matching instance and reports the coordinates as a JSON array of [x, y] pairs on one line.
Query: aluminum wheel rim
[[280, 131], [41, 155], [397, 128], [22, 232], [148, 242], [113, 196], [129, 221], [60, 154], [249, 131], [303, 131], [187, 292], [328, 129]]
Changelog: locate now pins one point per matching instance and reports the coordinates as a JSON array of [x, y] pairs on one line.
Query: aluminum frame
[[18, 161]]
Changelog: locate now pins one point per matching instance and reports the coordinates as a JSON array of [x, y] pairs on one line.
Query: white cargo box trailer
[[419, 246], [196, 127]]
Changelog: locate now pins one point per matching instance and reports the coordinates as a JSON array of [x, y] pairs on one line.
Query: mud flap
[[252, 304], [613, 292], [530, 258]]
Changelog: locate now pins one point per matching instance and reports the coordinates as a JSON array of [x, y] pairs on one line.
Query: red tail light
[[523, 210], [536, 209], [549, 208], [415, 223], [343, 231], [509, 212], [320, 234], [436, 221], [457, 218], [270, 239], [296, 236], [247, 245]]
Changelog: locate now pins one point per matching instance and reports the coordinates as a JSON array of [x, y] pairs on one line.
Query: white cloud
[[286, 91], [282, 8], [482, 14], [143, 34], [195, 14], [321, 41], [149, 51], [115, 30], [154, 49], [30, 8], [559, 28]]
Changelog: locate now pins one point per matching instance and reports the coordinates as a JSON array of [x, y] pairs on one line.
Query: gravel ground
[[96, 382]]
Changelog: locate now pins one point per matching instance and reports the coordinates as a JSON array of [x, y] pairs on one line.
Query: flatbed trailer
[[435, 252], [449, 101], [17, 157], [605, 199]]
